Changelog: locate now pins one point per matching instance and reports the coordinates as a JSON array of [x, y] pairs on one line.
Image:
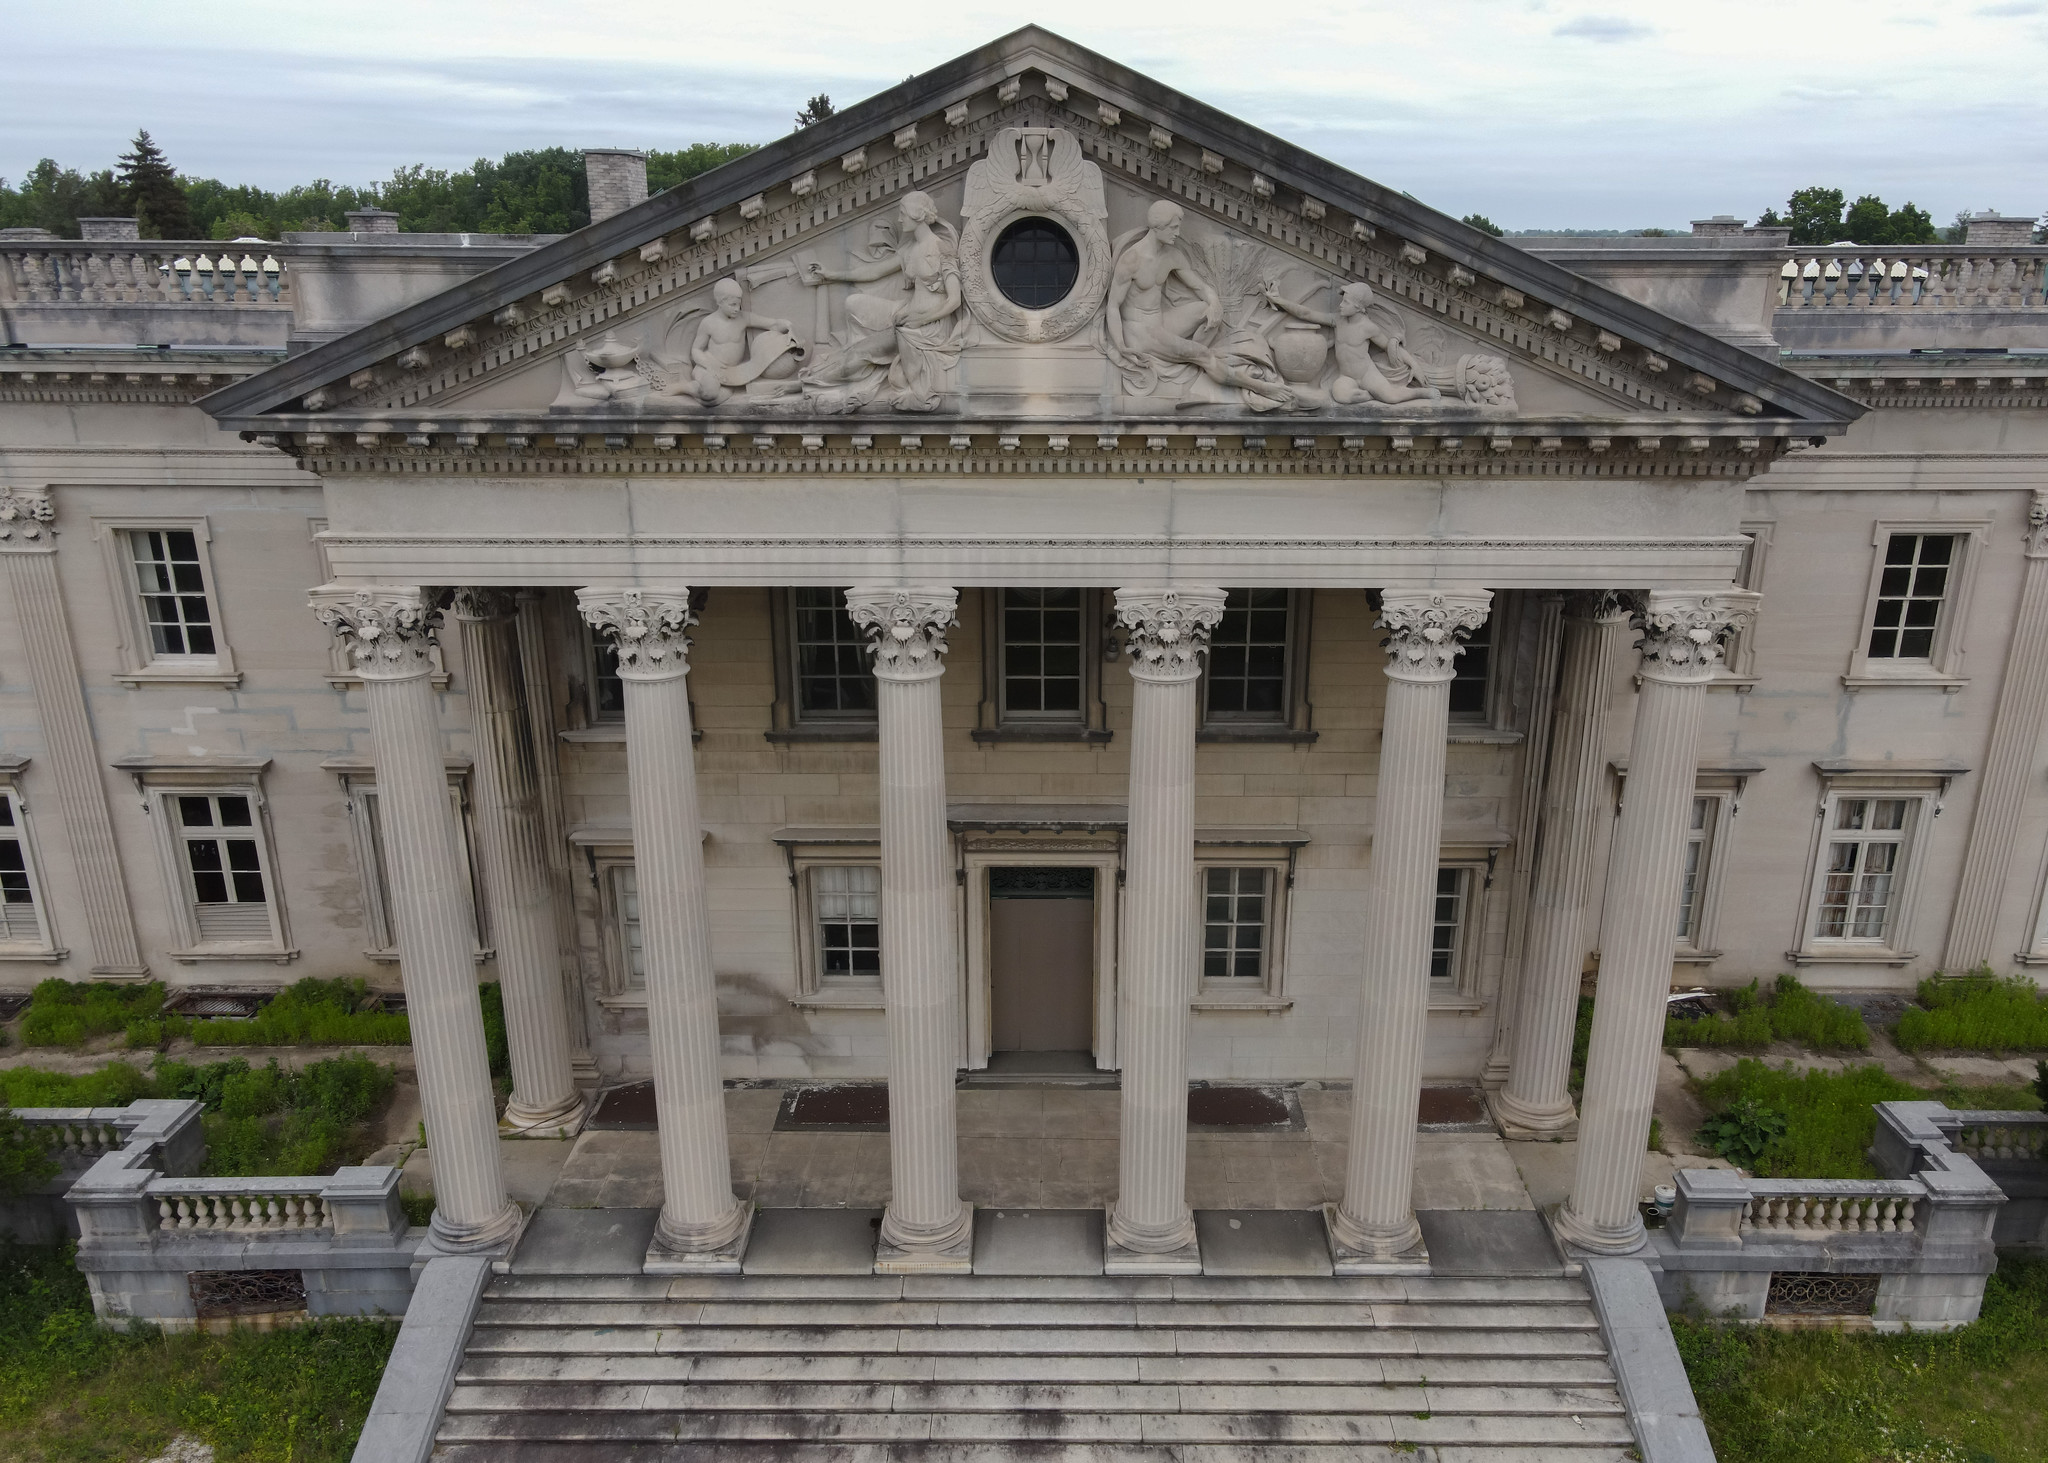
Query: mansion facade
[[1031, 575]]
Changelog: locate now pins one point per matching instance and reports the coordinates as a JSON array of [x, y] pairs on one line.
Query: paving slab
[[1038, 1241], [812, 1242], [531, 1166], [1488, 1242], [1466, 1171], [1262, 1242], [1963, 1070], [585, 1242]]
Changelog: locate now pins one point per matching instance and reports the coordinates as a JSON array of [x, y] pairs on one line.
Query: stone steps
[[959, 1369]]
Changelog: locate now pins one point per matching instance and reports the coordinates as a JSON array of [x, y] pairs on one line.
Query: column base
[[1524, 1126], [1181, 1259], [1395, 1258], [496, 1241], [565, 1121], [1579, 1238], [664, 1259], [949, 1254]]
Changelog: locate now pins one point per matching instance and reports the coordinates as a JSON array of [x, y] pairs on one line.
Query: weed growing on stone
[[1976, 1013], [310, 1012], [1786, 1012], [72, 1012], [1828, 1117]]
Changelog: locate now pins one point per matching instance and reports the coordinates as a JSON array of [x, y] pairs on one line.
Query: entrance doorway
[[1042, 968]]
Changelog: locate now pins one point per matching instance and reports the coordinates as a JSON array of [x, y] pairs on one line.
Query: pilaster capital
[[650, 627], [906, 628], [1168, 629], [26, 519], [389, 630], [481, 602], [1427, 628], [2037, 526], [1683, 634]]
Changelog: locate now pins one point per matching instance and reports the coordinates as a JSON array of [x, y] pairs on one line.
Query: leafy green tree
[[1482, 223], [55, 198], [667, 170], [1910, 225], [1816, 215], [25, 1161], [816, 110], [149, 185], [1868, 221]]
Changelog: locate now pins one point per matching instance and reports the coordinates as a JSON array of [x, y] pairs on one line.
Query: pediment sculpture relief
[[1028, 305]]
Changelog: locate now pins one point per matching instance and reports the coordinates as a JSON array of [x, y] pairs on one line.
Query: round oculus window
[[1035, 263]]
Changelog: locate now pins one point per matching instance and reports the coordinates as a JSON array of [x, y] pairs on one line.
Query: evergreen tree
[[149, 186], [1482, 223], [816, 110]]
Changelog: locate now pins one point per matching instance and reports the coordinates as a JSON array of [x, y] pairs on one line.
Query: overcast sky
[[1538, 113]]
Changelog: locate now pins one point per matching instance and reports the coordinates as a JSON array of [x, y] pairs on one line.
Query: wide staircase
[[577, 1368]]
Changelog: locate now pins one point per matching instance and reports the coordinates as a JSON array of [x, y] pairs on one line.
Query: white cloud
[[1604, 28]]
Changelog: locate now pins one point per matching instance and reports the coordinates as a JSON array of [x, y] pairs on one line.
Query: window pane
[[195, 812], [1234, 928], [1910, 593], [1042, 653], [833, 676], [1447, 921], [626, 894], [847, 905], [1247, 679], [234, 812], [173, 592], [1695, 865], [607, 691], [1470, 672]]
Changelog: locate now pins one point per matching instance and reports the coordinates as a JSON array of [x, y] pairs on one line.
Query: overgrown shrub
[[25, 1161], [310, 1012], [1787, 1012], [1829, 1118], [69, 1013], [1744, 1132], [1976, 1013], [115, 1085]]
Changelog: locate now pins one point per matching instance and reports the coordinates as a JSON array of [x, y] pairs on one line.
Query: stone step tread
[[1484, 1291], [999, 1340], [1016, 1450], [1143, 1314], [701, 1368], [920, 1397], [1018, 1430]]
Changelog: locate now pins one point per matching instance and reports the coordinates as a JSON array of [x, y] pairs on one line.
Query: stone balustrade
[[74, 1133], [2011, 1148], [166, 1131], [2008, 1136], [1915, 277], [241, 1205], [1819, 1208], [199, 272]]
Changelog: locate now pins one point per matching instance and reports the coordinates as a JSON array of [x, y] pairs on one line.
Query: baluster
[[166, 1214], [1835, 1212]]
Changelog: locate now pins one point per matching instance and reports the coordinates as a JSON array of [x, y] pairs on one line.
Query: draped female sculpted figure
[[901, 338]]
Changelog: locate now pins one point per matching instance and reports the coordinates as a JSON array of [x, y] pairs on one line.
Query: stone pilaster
[[2008, 762], [28, 546], [1536, 1101], [927, 1227], [512, 849], [389, 632], [1682, 636], [1151, 1228], [1374, 1227], [702, 1226]]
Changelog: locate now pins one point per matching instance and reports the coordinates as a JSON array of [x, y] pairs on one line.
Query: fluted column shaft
[[390, 632], [698, 1211], [512, 849], [920, 953], [1681, 644], [1169, 631], [1537, 1096], [1425, 631]]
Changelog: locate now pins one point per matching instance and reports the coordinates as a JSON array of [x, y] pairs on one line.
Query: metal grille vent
[[1800, 1293], [247, 1292]]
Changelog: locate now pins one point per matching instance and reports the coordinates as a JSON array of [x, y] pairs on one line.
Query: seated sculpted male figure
[[719, 351], [1359, 377]]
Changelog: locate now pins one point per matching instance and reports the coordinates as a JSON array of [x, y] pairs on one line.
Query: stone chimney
[[1997, 230], [1721, 225], [372, 221], [109, 230], [617, 177]]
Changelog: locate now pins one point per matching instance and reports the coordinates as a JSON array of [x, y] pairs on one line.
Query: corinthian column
[[1681, 644], [1151, 1228], [702, 1226], [28, 546], [1536, 1101], [927, 1227], [512, 848], [389, 633], [1374, 1229]]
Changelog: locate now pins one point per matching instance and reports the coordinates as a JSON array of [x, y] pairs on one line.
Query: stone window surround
[[45, 949], [358, 779], [1737, 670], [1098, 645], [141, 665], [1278, 860], [1923, 786], [1496, 727], [158, 780], [1297, 721], [1944, 668], [787, 722], [605, 849], [1477, 851], [1723, 784], [2036, 952]]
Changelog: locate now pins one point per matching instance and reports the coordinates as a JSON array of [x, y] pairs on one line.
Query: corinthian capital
[[1683, 633], [25, 518], [906, 628], [477, 602], [1426, 629], [650, 627], [1168, 630], [389, 630]]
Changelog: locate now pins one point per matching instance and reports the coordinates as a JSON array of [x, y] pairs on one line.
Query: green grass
[[1829, 1120], [1976, 1013], [311, 1012], [71, 1391], [1787, 1012], [1989, 1096], [70, 1013], [1969, 1396]]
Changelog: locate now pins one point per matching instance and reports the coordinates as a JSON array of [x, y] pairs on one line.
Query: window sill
[[1696, 957], [1268, 1004], [1855, 955], [1484, 736], [390, 957], [234, 952], [1923, 681], [1741, 684], [32, 954], [1282, 734], [857, 1000], [166, 676], [1094, 736], [1458, 1005], [610, 733], [2032, 957], [841, 732], [624, 1001], [350, 683]]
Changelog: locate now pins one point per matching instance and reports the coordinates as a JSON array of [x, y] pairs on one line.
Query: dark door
[[1042, 929]]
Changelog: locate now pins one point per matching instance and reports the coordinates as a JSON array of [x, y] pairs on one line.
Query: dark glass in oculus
[[1035, 263]]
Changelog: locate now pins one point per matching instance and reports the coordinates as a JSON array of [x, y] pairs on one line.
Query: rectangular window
[[834, 681], [1472, 675], [607, 691], [1041, 654], [1698, 839], [19, 922], [172, 584], [626, 909], [1236, 903], [1911, 590], [1447, 924], [846, 903], [1865, 855], [366, 810], [223, 865], [1247, 670]]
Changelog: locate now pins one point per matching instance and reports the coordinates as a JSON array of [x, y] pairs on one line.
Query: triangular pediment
[[1188, 268]]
